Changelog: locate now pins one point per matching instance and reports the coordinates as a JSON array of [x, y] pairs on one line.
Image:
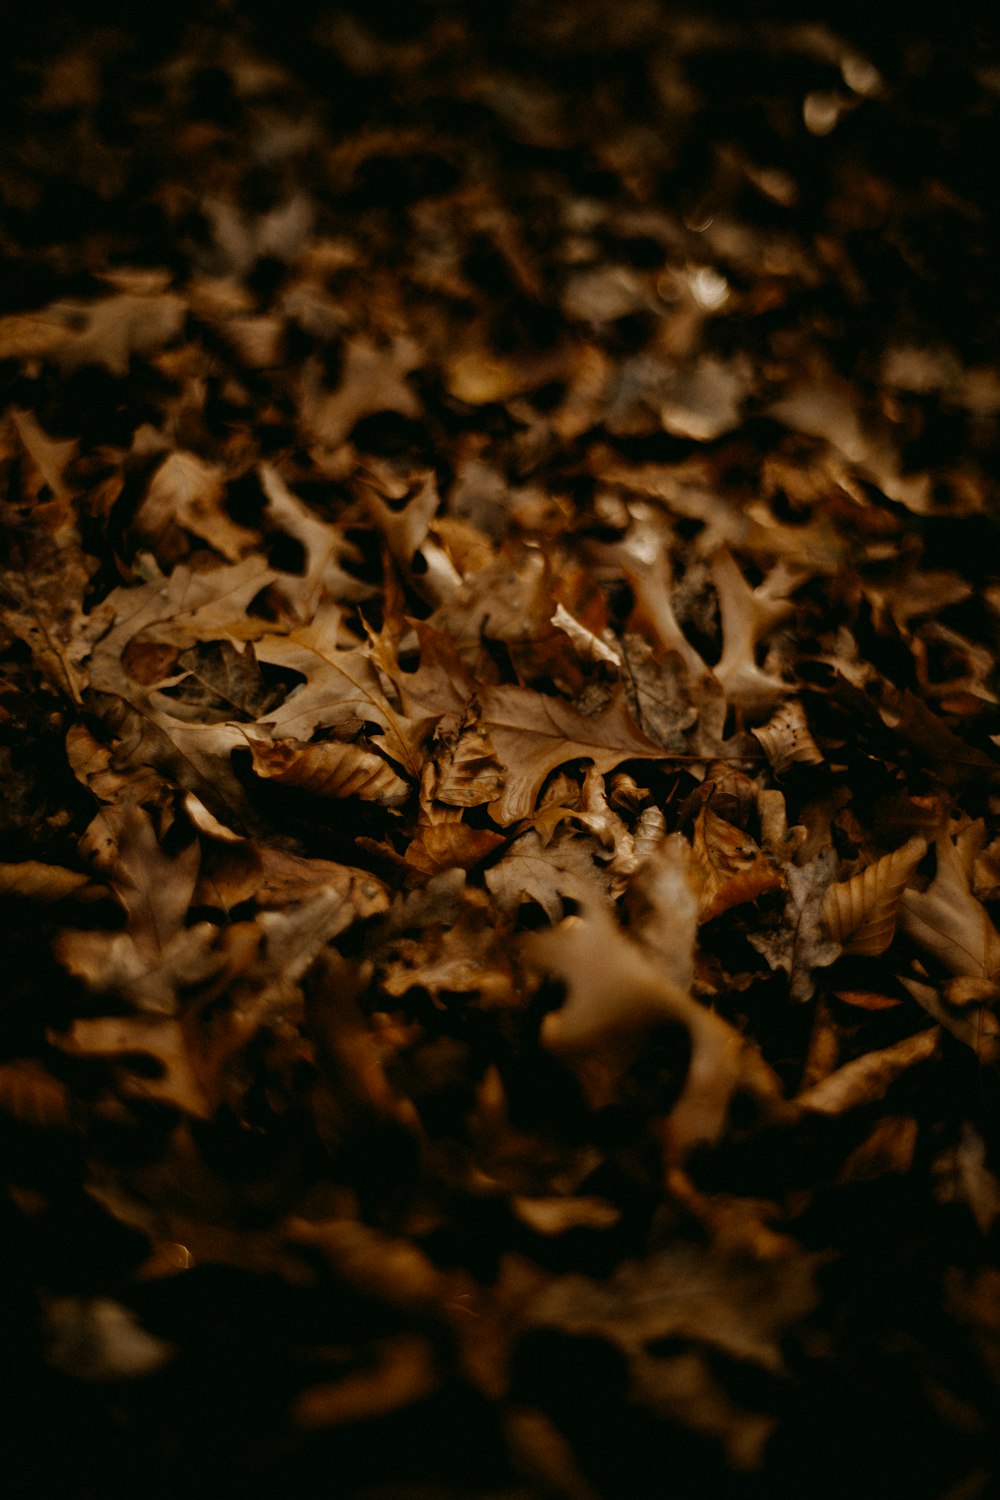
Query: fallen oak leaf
[[748, 616], [186, 492], [172, 1080], [615, 994], [531, 733], [153, 888]]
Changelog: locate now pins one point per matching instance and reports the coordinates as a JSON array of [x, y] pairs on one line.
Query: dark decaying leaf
[[498, 709]]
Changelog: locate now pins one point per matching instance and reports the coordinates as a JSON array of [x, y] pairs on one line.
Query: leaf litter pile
[[498, 715]]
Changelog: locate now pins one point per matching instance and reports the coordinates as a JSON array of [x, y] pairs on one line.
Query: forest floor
[[498, 717]]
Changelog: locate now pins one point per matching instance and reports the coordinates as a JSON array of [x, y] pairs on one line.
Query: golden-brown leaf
[[728, 866], [332, 768], [35, 881], [869, 1077], [860, 913]]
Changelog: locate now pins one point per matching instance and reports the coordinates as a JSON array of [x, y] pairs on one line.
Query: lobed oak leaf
[[332, 768], [341, 683], [325, 547], [106, 332], [406, 527], [616, 993], [187, 493], [548, 873], [748, 616], [153, 888], [860, 913], [373, 380], [172, 1078]]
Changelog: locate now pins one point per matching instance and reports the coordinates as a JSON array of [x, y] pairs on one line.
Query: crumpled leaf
[[532, 733], [728, 866], [189, 493], [799, 942], [787, 740], [860, 913]]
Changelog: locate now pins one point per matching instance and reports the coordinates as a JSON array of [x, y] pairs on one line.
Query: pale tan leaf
[[373, 380], [748, 617], [154, 889], [965, 1006], [948, 921], [330, 769], [547, 873], [860, 913], [187, 492], [786, 738]]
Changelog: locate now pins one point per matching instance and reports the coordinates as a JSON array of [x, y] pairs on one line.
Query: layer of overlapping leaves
[[500, 732]]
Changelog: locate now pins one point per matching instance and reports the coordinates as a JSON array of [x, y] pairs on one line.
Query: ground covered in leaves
[[499, 732]]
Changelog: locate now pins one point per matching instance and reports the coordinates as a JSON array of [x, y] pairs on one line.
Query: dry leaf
[[869, 1077], [860, 913], [331, 768], [786, 739], [615, 993], [728, 866], [946, 919], [34, 881]]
